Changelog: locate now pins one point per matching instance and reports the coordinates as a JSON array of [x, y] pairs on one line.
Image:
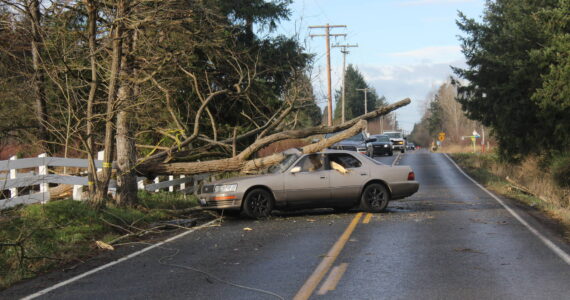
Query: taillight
[[411, 176]]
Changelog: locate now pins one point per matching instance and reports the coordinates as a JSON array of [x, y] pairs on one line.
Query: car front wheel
[[258, 204], [374, 198]]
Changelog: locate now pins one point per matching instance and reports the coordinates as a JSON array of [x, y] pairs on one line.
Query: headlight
[[385, 146], [224, 188]]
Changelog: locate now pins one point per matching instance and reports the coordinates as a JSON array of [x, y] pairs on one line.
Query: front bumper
[[220, 200]]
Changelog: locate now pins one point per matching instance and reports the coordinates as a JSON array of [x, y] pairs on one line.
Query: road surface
[[450, 240]]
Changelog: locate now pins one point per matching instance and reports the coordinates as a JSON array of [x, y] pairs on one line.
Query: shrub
[[560, 169]]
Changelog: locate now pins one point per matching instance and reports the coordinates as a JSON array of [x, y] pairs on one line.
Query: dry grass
[[510, 180]]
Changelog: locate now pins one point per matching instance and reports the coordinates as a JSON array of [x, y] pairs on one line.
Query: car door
[[346, 188], [310, 187]]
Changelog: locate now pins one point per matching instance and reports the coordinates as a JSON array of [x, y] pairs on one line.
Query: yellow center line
[[367, 218], [334, 277], [311, 284]]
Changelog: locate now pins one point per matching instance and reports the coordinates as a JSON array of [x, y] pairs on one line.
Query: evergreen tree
[[518, 71], [354, 99]]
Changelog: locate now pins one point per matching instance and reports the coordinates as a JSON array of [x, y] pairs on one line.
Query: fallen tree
[[241, 162]]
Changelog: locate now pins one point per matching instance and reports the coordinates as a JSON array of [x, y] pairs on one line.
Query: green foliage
[[354, 99], [518, 73], [36, 237], [560, 169]]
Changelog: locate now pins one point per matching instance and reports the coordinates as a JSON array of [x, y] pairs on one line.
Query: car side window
[[345, 160], [312, 163]]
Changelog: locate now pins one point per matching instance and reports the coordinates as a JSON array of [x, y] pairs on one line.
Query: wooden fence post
[[100, 156], [13, 175], [156, 180], [171, 188], [43, 170], [78, 192], [183, 185]]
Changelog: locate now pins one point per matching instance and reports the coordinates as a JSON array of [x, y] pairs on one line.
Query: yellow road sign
[[441, 136]]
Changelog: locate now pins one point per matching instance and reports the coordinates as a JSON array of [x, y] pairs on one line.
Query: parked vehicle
[[410, 146], [380, 146], [398, 141], [332, 179], [355, 143]]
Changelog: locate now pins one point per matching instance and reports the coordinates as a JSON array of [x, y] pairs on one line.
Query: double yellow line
[[323, 268]]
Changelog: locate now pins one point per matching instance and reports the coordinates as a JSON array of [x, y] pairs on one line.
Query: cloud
[[434, 54], [431, 2]]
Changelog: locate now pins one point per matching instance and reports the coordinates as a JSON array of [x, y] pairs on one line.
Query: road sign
[[441, 136]]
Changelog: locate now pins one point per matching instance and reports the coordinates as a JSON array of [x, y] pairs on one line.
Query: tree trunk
[[117, 45], [240, 162], [38, 76], [126, 152], [90, 145]]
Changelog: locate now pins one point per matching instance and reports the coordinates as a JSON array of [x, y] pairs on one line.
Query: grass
[[37, 238], [526, 182]]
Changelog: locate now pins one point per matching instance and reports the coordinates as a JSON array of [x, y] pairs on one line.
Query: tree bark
[[126, 152], [241, 162], [38, 76], [90, 145], [117, 34]]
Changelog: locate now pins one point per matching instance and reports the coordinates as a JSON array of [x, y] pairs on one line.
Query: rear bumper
[[404, 189]]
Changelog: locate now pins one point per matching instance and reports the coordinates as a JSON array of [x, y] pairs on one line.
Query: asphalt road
[[449, 240]]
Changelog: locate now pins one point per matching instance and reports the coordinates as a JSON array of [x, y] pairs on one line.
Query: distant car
[[380, 146], [410, 146], [398, 141], [331, 179], [355, 143]]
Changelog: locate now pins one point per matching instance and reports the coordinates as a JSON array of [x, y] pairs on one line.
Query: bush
[[560, 169]]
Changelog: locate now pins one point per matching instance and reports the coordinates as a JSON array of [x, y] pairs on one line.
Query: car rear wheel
[[374, 198], [258, 204]]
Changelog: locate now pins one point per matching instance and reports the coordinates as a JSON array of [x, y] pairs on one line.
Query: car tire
[[391, 153], [402, 151], [258, 204], [374, 198]]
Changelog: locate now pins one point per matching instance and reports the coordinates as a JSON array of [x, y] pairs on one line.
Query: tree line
[[148, 81]]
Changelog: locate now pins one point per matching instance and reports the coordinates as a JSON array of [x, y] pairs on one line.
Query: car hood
[[349, 143], [381, 143]]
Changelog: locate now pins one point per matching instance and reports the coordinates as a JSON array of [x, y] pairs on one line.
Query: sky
[[405, 47]]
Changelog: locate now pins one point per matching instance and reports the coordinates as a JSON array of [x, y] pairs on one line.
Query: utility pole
[[366, 90], [327, 36], [344, 53]]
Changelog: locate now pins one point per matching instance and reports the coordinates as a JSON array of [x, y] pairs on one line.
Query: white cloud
[[430, 2], [433, 54]]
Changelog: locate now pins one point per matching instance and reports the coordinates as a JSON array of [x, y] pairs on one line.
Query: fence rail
[[14, 181]]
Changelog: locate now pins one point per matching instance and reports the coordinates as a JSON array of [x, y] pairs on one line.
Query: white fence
[[12, 180]]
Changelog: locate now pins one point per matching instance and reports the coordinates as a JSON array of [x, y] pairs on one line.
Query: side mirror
[[371, 140], [296, 169]]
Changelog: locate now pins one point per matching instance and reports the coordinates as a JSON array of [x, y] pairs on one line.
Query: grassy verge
[[38, 238], [526, 183]]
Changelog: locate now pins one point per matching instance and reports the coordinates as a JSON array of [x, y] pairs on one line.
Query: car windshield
[[284, 164], [394, 135], [382, 138]]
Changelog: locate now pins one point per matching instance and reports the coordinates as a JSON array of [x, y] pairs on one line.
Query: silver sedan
[[332, 179]]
